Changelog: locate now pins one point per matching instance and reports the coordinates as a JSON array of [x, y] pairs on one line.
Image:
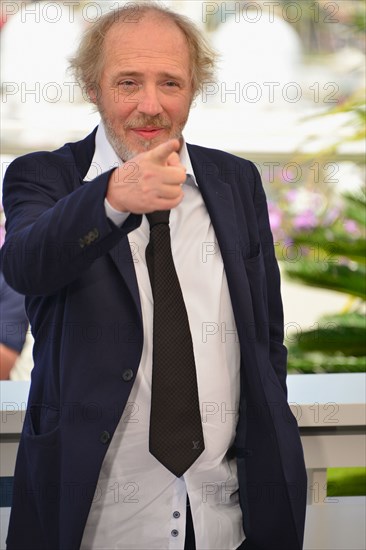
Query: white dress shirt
[[139, 504]]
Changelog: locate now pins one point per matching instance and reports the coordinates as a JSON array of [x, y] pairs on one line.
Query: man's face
[[145, 89]]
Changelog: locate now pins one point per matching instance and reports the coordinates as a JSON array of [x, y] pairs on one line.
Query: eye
[[128, 85], [171, 84]]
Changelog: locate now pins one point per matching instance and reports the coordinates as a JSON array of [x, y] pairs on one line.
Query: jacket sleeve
[[56, 225], [278, 352]]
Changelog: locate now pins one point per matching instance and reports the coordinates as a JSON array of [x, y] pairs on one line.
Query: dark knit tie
[[176, 437]]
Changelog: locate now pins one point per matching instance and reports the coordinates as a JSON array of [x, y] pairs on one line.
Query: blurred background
[[289, 95]]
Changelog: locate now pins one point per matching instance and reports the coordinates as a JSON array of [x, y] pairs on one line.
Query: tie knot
[[160, 216]]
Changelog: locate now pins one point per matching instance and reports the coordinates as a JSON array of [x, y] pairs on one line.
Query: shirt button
[[176, 515], [175, 533], [127, 375], [105, 437]]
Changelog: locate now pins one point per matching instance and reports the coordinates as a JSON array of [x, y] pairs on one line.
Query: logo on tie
[[196, 445]]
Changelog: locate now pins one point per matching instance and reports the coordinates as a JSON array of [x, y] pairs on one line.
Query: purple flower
[[275, 216], [351, 227], [291, 195], [331, 216], [305, 220]]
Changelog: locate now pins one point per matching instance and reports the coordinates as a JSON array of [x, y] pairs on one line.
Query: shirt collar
[[106, 158]]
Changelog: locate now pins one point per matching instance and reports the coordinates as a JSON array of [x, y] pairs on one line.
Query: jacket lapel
[[122, 257], [219, 202]]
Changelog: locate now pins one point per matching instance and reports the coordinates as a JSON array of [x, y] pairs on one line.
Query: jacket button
[[127, 375], [105, 437]]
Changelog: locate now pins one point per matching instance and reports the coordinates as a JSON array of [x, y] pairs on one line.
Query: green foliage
[[341, 278], [318, 363], [327, 233], [334, 334], [343, 482], [334, 259]]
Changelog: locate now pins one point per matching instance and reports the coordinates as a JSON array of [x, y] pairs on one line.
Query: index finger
[[161, 153]]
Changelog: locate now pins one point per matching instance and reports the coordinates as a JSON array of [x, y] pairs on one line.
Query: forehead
[[150, 40]]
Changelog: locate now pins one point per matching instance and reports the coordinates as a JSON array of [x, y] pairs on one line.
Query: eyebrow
[[136, 74]]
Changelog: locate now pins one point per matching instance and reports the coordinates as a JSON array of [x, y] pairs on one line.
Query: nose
[[148, 101]]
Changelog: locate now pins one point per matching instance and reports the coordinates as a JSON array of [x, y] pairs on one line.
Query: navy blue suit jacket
[[77, 272]]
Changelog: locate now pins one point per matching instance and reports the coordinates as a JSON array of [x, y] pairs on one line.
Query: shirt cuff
[[117, 217]]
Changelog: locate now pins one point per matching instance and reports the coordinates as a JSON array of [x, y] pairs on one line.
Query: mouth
[[148, 132]]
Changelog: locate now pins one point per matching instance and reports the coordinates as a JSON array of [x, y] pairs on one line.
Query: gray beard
[[121, 149]]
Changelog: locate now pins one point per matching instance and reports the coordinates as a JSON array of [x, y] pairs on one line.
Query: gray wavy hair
[[87, 63]]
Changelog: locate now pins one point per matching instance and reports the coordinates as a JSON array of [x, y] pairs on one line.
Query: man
[[13, 328], [86, 473]]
